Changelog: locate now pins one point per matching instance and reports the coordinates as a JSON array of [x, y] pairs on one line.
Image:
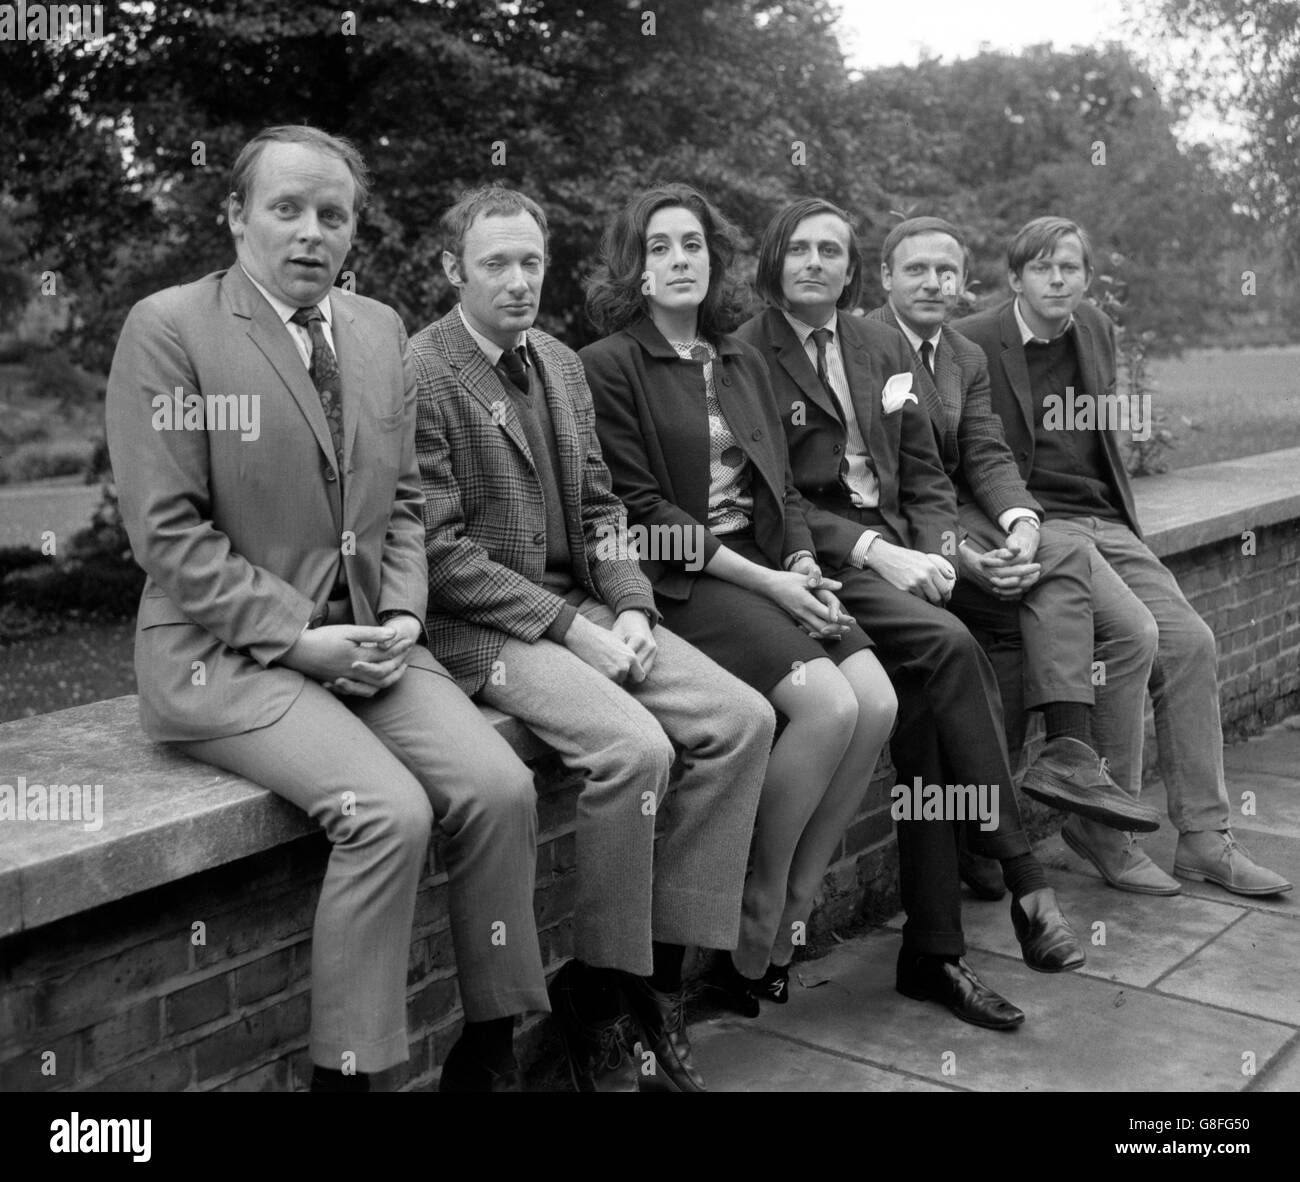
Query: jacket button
[[836, 449], [538, 539], [329, 474], [758, 433], [1024, 455], [726, 381]]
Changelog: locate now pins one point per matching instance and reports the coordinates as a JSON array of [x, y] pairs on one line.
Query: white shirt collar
[[491, 349], [804, 331], [1027, 334], [286, 311], [912, 338]]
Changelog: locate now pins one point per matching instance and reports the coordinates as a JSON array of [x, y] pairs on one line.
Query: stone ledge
[[1194, 507], [165, 816]]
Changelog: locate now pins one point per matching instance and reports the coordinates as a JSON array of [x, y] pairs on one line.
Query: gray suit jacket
[[971, 439], [242, 538]]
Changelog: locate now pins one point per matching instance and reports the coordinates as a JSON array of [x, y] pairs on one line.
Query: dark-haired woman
[[690, 431]]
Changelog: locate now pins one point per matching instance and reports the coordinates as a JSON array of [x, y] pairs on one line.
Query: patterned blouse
[[731, 504]]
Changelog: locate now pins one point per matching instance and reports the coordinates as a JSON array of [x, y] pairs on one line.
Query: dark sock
[[1022, 874], [326, 1079], [668, 960], [600, 994], [1068, 720], [492, 1042]]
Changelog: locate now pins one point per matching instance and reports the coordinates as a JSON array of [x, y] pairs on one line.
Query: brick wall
[[126, 999], [1252, 602]]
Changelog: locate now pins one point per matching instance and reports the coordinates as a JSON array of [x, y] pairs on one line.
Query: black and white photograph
[[737, 546]]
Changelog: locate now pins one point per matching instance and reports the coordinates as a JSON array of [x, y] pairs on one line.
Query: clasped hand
[[355, 659]]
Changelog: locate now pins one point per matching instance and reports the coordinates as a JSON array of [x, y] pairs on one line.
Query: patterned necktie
[[821, 338], [324, 372], [927, 357], [512, 365]]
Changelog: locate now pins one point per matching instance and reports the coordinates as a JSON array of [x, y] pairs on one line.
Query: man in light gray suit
[[262, 427]]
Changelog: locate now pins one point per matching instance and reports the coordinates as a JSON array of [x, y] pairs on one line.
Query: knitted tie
[[324, 370], [512, 365], [927, 357]]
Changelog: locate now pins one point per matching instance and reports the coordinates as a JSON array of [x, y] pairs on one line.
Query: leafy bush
[[39, 460]]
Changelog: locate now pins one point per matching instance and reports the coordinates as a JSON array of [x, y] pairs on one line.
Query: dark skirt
[[748, 634]]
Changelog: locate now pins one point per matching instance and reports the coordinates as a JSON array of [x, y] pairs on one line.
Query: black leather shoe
[[776, 984], [662, 1017], [1070, 775], [599, 1051], [953, 983], [1048, 945], [982, 875], [463, 1072], [739, 993]]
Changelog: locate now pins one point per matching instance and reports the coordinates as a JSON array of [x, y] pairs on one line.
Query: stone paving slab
[[1081, 1033], [1276, 752], [1145, 936], [1283, 1074], [1251, 968], [734, 1056]]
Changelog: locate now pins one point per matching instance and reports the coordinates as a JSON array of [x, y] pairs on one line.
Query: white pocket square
[[898, 390]]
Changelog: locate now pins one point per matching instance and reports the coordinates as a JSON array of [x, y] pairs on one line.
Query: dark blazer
[[241, 537], [972, 443], [484, 516], [653, 422], [916, 498], [997, 333]]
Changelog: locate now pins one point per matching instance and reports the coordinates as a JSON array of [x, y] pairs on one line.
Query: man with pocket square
[[884, 520]]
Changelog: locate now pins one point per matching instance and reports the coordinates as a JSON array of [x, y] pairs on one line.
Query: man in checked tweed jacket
[[1007, 551], [536, 607]]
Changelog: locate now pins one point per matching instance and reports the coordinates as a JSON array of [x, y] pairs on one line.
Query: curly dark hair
[[614, 296]]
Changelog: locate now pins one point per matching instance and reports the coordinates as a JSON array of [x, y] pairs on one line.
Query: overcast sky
[[878, 33]]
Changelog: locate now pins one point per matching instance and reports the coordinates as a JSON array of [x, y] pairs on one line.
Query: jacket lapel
[[790, 353], [865, 388], [270, 335], [355, 363], [1015, 366], [480, 379], [568, 444]]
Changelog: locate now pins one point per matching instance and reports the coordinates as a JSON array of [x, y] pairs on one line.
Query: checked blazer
[[972, 442], [484, 516]]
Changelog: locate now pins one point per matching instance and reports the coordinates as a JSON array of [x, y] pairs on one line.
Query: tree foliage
[[118, 151]]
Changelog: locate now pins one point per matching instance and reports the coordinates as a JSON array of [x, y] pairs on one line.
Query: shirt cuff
[[858, 557], [1005, 519]]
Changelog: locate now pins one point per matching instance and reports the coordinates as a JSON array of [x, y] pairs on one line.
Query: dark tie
[[927, 357], [821, 338], [324, 372], [512, 366]]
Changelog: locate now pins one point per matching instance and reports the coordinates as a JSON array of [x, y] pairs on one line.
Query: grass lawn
[[1246, 401]]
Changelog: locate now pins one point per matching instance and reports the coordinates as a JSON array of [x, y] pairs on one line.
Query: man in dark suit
[[536, 606], [884, 521], [1052, 365], [262, 427], [1007, 551]]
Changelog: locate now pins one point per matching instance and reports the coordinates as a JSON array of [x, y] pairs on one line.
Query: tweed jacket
[[653, 422], [484, 516], [996, 332], [972, 443], [916, 498]]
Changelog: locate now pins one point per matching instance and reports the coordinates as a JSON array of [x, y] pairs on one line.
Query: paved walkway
[[1196, 992]]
